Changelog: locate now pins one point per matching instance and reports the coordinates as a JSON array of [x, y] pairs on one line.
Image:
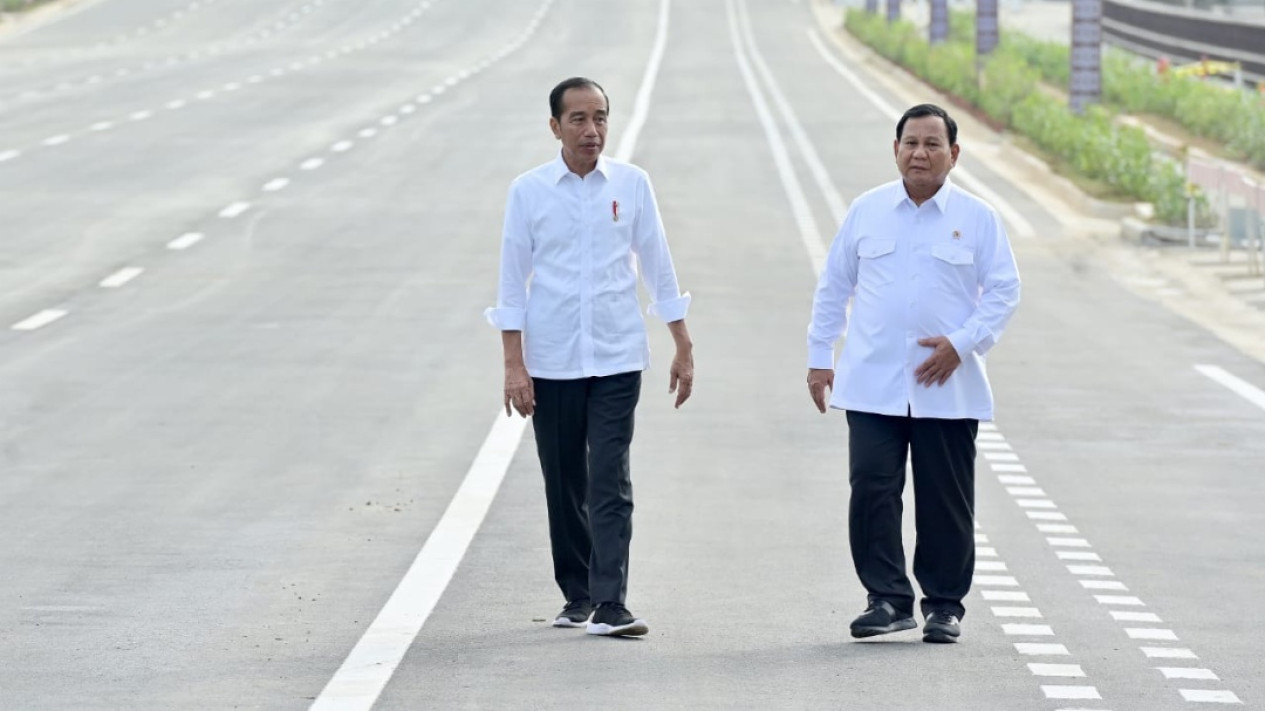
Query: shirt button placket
[[586, 225]]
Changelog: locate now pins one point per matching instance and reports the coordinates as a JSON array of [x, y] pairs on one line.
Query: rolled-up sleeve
[[650, 244], [999, 293], [510, 312], [835, 288]]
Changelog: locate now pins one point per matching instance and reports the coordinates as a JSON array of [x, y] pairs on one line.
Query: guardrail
[[1157, 30]]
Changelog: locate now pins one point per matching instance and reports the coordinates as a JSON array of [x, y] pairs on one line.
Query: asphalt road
[[245, 253]]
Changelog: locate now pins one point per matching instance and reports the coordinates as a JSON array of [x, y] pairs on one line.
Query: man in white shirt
[[932, 282], [576, 231]]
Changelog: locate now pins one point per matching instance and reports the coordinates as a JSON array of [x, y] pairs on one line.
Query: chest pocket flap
[[873, 248], [957, 256]]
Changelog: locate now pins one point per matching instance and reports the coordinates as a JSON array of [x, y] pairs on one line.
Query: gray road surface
[[216, 472]]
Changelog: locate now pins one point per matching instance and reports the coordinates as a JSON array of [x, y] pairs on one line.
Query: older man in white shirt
[[933, 282], [576, 230]]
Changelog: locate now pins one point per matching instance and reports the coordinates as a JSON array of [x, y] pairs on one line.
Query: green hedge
[[1236, 119], [1007, 92], [16, 5]]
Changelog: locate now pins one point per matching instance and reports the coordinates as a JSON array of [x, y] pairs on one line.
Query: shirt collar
[[560, 169], [940, 199]]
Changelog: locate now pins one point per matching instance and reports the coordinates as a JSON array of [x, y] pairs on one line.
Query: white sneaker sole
[[564, 622], [636, 628]]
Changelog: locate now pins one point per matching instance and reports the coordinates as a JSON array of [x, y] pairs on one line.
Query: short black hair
[[922, 110], [555, 96]]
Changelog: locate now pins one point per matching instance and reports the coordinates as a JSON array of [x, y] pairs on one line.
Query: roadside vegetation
[[1022, 87]]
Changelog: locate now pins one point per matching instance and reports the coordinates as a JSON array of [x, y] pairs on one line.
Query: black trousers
[[583, 432], [943, 453]]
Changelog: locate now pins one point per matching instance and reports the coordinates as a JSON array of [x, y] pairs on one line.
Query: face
[[924, 155], [582, 128]]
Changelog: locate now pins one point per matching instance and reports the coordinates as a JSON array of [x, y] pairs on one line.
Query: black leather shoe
[[941, 628], [881, 618]]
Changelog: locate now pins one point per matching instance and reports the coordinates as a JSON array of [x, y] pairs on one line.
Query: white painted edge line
[[830, 192], [1022, 228], [996, 580], [1129, 616], [1241, 387], [1104, 585], [641, 105], [1028, 630], [9, 155], [1005, 596], [1029, 612], [1152, 633], [1013, 479], [371, 663], [121, 277], [809, 234], [185, 241], [39, 320], [1056, 528]]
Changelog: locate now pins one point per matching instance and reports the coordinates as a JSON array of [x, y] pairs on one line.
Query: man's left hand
[[940, 365], [682, 376]]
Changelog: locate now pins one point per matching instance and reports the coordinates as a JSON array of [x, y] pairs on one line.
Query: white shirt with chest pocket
[[570, 253], [944, 268]]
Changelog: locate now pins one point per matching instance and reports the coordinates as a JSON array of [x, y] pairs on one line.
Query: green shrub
[[1091, 144]]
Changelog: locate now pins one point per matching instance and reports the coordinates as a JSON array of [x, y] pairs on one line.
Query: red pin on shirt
[[615, 210]]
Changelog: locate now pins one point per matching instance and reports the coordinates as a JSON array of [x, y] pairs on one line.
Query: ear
[[957, 148], [555, 127], [896, 148]]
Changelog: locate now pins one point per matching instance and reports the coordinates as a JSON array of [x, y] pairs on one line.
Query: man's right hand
[[819, 380], [519, 391]]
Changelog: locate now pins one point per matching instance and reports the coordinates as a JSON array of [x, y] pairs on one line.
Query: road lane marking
[[990, 565], [1004, 596], [1061, 670], [121, 277], [1104, 585], [1188, 673], [1168, 653], [9, 155], [1029, 612], [1018, 223], [1056, 528], [342, 146], [1208, 696], [1120, 600], [1018, 630], [234, 210], [56, 140], [1070, 692], [1239, 386], [1013, 479], [39, 320], [312, 164], [1155, 634], [808, 152], [185, 241], [996, 580], [1068, 542], [1041, 649], [1079, 555], [1127, 616], [1003, 467], [276, 184], [809, 233]]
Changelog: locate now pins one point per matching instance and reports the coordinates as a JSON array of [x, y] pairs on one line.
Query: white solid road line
[[809, 234], [1018, 223], [1241, 387], [365, 672], [121, 277], [39, 320], [816, 167], [641, 105]]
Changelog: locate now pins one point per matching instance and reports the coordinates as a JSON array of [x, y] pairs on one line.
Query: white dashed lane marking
[[234, 210], [185, 241], [1092, 576], [121, 277], [39, 320]]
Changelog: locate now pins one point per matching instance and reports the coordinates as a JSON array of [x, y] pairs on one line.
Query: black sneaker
[[881, 618], [941, 628], [611, 619], [575, 614]]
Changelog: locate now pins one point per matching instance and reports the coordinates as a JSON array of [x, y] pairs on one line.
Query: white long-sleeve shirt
[[944, 268], [569, 261]]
